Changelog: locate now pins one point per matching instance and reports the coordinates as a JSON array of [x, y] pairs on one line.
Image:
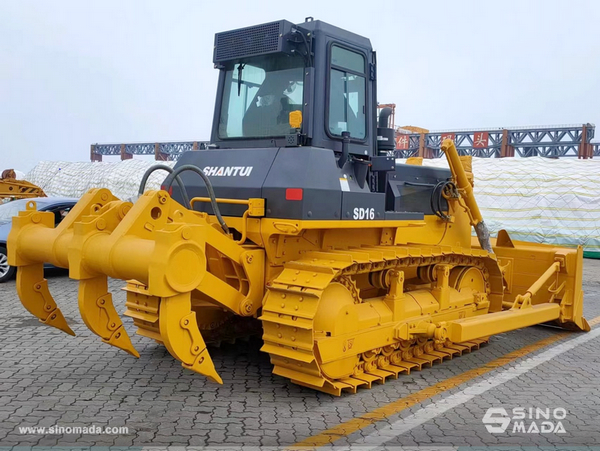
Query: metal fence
[[551, 141], [161, 151]]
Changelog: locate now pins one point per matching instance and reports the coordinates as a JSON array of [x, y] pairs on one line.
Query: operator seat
[[268, 112]]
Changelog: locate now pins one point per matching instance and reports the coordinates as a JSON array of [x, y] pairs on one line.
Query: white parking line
[[436, 409]]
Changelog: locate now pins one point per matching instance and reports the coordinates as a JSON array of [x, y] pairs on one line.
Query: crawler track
[[291, 305]]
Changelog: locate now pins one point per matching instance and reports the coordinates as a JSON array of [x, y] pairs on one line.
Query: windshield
[[10, 209], [259, 95]]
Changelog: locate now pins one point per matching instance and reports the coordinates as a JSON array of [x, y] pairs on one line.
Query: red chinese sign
[[480, 140], [402, 142], [448, 136]]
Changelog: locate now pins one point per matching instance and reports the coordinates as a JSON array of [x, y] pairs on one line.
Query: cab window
[[259, 95], [347, 86]]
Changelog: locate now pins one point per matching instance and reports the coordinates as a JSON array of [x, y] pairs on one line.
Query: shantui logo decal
[[228, 171], [526, 420]]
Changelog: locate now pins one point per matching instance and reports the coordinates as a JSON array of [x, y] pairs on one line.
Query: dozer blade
[[181, 336], [542, 284], [33, 291], [99, 314], [546, 274]]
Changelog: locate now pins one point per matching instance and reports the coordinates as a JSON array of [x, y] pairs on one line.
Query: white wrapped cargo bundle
[[74, 179]]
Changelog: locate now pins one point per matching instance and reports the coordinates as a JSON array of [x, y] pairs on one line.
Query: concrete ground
[[49, 379]]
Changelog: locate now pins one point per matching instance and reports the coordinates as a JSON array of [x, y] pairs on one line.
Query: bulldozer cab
[[271, 70]]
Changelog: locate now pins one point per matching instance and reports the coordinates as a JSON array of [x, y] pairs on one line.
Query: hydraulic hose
[[437, 197], [211, 192], [164, 167]]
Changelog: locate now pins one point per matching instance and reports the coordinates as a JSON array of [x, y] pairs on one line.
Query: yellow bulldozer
[[298, 223], [11, 188]]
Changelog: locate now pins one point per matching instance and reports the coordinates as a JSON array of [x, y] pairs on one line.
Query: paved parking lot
[[50, 379]]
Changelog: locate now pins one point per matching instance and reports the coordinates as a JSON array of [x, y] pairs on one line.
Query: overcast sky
[[78, 72]]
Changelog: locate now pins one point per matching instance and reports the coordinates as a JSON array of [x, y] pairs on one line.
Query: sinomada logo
[[228, 171], [527, 420]]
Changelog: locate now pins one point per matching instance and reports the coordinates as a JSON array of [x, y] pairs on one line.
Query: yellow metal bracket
[[256, 209], [523, 301], [441, 289], [256, 206]]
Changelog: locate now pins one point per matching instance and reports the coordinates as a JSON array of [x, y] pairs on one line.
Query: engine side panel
[[311, 170], [410, 188], [306, 183]]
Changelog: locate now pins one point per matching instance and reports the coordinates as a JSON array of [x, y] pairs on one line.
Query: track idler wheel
[[335, 316]]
